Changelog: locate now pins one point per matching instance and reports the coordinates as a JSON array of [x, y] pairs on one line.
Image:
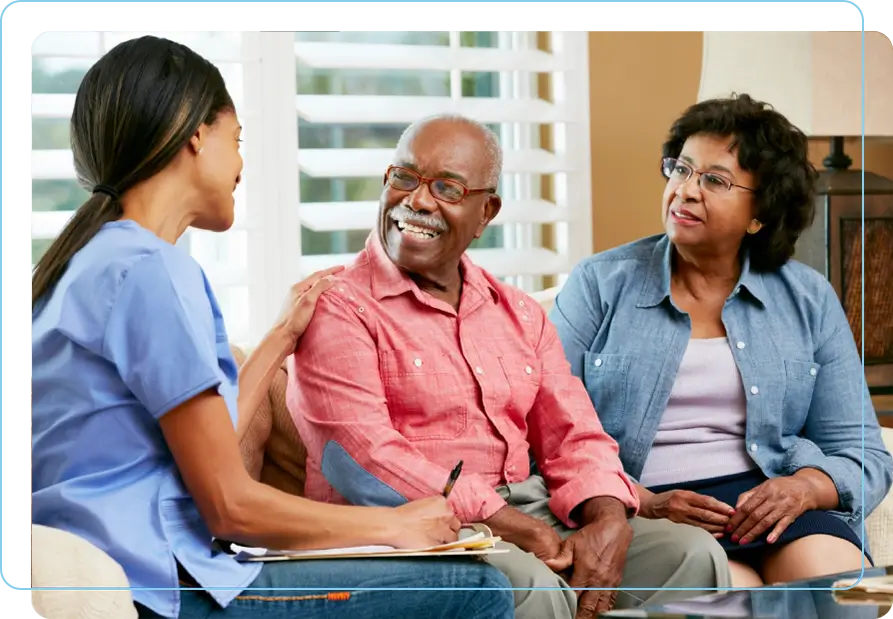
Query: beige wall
[[635, 95]]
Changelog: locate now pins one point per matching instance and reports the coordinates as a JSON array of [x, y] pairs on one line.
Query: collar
[[656, 287], [389, 281]]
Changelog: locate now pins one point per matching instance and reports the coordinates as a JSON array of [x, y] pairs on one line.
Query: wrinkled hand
[[297, 310], [423, 523], [543, 542], [598, 554], [686, 507], [775, 502]]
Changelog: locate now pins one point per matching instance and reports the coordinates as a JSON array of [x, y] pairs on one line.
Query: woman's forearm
[[256, 376], [265, 517]]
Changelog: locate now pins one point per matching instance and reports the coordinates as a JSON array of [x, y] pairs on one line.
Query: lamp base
[[837, 159]]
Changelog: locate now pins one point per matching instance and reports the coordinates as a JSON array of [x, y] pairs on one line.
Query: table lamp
[[815, 79]]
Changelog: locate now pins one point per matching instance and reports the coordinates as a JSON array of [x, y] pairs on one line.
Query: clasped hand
[[596, 554], [773, 505]]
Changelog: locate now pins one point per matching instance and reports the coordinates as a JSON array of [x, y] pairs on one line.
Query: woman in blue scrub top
[[138, 407]]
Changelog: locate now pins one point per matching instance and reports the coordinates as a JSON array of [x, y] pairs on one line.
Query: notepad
[[478, 544], [875, 590]]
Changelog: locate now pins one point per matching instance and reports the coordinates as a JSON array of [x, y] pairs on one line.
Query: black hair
[[776, 153]]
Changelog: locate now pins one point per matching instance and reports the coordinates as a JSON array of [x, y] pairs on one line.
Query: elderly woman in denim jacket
[[726, 371]]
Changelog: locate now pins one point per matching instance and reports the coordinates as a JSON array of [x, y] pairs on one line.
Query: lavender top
[[701, 433]]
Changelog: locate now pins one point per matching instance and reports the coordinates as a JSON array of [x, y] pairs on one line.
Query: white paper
[[247, 552]]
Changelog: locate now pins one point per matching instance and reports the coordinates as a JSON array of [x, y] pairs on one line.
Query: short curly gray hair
[[491, 141]]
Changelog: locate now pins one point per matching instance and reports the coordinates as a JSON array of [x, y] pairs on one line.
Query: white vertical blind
[[322, 113]]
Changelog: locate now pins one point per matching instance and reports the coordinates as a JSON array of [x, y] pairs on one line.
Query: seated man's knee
[[539, 592], [697, 553], [525, 570]]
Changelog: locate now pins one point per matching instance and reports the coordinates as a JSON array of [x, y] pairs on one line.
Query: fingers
[[780, 527], [592, 603], [763, 525], [606, 601], [747, 502], [455, 525], [563, 560], [588, 605], [760, 519], [715, 520], [709, 503], [308, 283], [312, 295]]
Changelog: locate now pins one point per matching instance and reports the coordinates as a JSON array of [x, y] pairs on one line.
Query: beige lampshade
[[813, 78]]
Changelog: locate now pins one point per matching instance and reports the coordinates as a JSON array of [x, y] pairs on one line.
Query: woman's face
[[701, 212], [219, 171]]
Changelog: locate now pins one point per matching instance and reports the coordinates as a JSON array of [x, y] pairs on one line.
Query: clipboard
[[482, 542]]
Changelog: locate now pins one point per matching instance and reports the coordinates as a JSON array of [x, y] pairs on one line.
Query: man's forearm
[[514, 526], [256, 376], [600, 508]]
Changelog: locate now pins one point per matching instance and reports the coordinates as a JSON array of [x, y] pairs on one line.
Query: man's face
[[422, 233]]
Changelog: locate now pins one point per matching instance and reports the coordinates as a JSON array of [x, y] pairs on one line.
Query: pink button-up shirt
[[407, 386]]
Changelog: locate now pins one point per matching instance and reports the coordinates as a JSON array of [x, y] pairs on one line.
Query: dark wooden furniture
[[833, 246]]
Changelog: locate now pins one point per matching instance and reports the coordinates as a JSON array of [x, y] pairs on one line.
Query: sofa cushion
[[62, 559], [879, 524]]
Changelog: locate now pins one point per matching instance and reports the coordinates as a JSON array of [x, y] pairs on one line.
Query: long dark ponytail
[[133, 112]]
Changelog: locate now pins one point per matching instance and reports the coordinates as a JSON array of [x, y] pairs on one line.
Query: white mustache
[[406, 215]]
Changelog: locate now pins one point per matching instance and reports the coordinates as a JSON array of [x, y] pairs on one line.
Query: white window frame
[[269, 109]]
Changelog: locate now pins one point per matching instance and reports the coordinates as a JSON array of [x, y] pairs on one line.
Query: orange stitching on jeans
[[332, 597]]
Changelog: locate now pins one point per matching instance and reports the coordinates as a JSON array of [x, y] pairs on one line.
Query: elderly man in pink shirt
[[416, 359]]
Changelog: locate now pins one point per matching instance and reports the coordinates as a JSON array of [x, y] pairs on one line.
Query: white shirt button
[[524, 317], [740, 345], [479, 370], [418, 362], [521, 303], [598, 363], [813, 371], [361, 309], [753, 446], [754, 390], [528, 370]]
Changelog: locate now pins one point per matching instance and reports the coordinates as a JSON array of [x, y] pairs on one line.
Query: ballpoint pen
[[454, 475]]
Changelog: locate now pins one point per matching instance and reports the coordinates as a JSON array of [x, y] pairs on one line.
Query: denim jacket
[[807, 401]]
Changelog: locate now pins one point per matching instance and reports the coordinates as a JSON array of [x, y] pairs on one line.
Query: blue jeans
[[334, 597]]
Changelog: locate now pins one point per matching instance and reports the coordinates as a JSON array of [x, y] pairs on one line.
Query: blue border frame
[[21, 19]]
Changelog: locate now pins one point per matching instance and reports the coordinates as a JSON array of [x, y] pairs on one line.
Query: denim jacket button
[[740, 345], [753, 446], [598, 363], [813, 371], [754, 390]]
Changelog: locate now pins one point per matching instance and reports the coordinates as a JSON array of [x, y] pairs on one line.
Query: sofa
[[60, 559]]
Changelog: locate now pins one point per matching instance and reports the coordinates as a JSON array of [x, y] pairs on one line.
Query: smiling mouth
[[417, 232], [684, 216]]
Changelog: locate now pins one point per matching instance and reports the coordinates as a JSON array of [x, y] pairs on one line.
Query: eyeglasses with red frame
[[446, 189]]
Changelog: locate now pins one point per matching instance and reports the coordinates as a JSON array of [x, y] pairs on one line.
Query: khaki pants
[[662, 554]]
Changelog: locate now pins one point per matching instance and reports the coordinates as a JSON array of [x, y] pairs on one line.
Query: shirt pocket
[[524, 374], [799, 384], [606, 377], [425, 395]]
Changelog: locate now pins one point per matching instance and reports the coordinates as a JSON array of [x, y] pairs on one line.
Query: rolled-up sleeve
[[840, 415], [577, 458], [337, 400]]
